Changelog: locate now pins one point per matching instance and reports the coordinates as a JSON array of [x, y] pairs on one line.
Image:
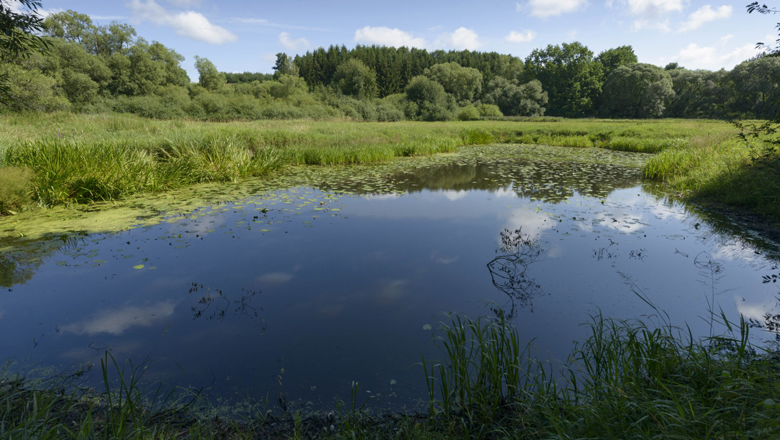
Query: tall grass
[[720, 168], [628, 379], [107, 156]]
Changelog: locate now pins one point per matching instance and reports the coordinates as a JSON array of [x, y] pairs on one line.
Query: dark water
[[303, 291]]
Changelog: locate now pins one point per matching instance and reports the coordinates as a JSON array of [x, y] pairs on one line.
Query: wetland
[[304, 284]]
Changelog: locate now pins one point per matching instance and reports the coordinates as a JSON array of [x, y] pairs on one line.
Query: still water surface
[[307, 289]]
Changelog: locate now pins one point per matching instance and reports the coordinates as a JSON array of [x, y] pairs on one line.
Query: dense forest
[[94, 68]]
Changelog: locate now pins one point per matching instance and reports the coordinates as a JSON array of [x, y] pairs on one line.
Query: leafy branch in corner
[[18, 34]]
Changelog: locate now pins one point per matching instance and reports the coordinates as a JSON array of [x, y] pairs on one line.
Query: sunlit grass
[[79, 158]]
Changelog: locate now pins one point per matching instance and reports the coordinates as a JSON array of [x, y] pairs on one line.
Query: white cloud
[[654, 8], [520, 37], [264, 22], [650, 14], [18, 8], [726, 38], [189, 24], [107, 17], [658, 25], [293, 45], [184, 3], [550, 8], [461, 39], [385, 36], [694, 56], [703, 15]]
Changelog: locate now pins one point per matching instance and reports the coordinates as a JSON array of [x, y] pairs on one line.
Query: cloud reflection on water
[[117, 321], [274, 278]]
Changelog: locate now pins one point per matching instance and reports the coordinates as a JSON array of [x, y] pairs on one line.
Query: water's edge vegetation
[[628, 379], [64, 158]]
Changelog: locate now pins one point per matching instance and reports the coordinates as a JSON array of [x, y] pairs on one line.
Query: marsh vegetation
[[124, 188]]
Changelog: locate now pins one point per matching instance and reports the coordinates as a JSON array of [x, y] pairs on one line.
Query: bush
[[489, 110], [469, 113], [148, 106], [212, 103], [29, 90], [388, 113], [15, 183]]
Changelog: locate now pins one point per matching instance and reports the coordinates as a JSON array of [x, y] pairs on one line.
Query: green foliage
[[489, 110], [396, 67], [464, 83], [636, 91], [247, 77], [285, 65], [469, 113], [353, 78], [18, 36], [516, 100], [722, 169], [476, 136], [79, 88], [430, 101], [286, 86], [571, 77], [15, 185], [697, 94], [66, 171], [28, 90], [613, 58], [18, 31], [627, 379], [210, 78], [757, 93]]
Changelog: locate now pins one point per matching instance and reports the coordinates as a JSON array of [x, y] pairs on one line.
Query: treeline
[[395, 68], [92, 68]]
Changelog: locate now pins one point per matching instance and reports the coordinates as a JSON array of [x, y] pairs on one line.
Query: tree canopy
[[636, 91], [570, 75]]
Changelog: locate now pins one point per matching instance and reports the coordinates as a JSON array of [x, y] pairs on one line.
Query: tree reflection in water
[[771, 321], [509, 271]]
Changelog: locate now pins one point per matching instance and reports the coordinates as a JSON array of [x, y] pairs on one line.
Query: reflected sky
[[325, 288]]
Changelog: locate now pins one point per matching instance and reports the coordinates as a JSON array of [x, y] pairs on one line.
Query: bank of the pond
[[81, 158], [628, 379], [721, 169], [62, 158]]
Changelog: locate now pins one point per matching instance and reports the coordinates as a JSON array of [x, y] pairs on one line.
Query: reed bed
[[81, 158]]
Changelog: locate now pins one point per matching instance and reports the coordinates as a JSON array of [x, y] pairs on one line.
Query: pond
[[338, 275]]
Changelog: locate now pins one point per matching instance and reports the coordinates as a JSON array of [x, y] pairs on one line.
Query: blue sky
[[242, 35]]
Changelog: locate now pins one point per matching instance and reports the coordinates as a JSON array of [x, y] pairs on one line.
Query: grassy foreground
[[61, 158], [627, 380]]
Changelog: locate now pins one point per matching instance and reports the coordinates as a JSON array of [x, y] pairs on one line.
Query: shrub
[[469, 113], [477, 137], [489, 110]]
